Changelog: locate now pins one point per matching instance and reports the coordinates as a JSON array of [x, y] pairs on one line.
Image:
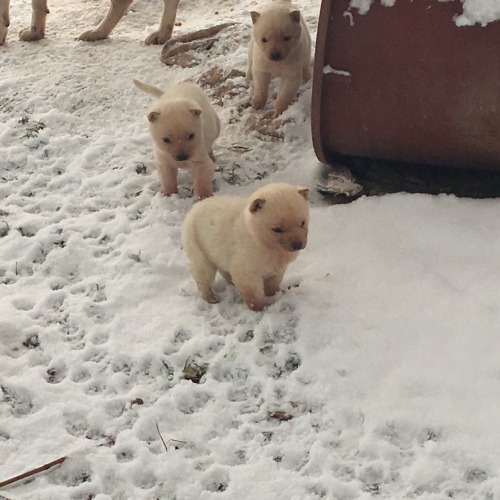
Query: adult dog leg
[[4, 20], [166, 24], [117, 9], [36, 31]]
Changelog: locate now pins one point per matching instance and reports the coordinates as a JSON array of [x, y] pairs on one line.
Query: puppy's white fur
[[249, 241], [117, 9], [280, 47], [184, 126]]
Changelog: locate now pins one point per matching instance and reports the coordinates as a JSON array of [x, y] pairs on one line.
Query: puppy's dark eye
[[277, 229], [167, 140], [191, 135], [303, 223], [264, 39], [287, 38]]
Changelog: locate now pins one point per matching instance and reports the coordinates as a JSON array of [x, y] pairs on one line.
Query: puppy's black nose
[[275, 56], [297, 245], [182, 157]]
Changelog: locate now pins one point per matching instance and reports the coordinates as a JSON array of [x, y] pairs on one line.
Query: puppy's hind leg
[[117, 9], [36, 31], [164, 32], [203, 272], [4, 20]]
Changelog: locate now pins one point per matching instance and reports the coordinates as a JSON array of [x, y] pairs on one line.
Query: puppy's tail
[[149, 89]]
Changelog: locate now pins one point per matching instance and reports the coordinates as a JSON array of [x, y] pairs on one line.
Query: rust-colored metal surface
[[405, 83]]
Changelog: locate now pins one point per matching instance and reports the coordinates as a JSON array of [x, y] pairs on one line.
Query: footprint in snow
[[124, 455], [75, 422], [23, 303], [216, 479], [73, 472], [80, 375], [17, 398], [56, 373]]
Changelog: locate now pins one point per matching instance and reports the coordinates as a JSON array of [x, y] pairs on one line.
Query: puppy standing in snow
[[184, 126], [280, 47], [249, 241]]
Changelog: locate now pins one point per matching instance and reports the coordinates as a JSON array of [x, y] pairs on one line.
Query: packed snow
[[375, 374]]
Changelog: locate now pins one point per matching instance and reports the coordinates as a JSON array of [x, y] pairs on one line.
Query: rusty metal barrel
[[406, 83]]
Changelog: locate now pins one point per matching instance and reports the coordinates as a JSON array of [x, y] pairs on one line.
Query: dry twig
[[32, 472], [161, 437], [198, 34], [175, 51]]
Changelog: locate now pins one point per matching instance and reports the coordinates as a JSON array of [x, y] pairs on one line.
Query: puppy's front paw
[[258, 103], [204, 196], [211, 298], [270, 292], [256, 306], [169, 192], [255, 302], [280, 107], [204, 193]]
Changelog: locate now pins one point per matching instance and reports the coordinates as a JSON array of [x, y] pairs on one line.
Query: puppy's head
[[278, 215], [276, 29], [176, 128]]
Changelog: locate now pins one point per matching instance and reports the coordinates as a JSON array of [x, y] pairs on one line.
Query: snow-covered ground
[[376, 373]]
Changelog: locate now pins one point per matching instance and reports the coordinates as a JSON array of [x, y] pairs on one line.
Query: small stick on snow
[[236, 148], [32, 472], [197, 35], [173, 50], [161, 437]]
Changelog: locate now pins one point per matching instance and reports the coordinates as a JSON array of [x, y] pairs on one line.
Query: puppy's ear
[[295, 16], [304, 192], [255, 16], [195, 111], [153, 116], [256, 205]]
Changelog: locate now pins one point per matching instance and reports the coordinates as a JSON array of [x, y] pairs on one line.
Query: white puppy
[[280, 47], [249, 241], [184, 126]]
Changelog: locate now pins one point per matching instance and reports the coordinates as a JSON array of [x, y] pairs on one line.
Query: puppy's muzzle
[[297, 245], [181, 156], [275, 56]]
